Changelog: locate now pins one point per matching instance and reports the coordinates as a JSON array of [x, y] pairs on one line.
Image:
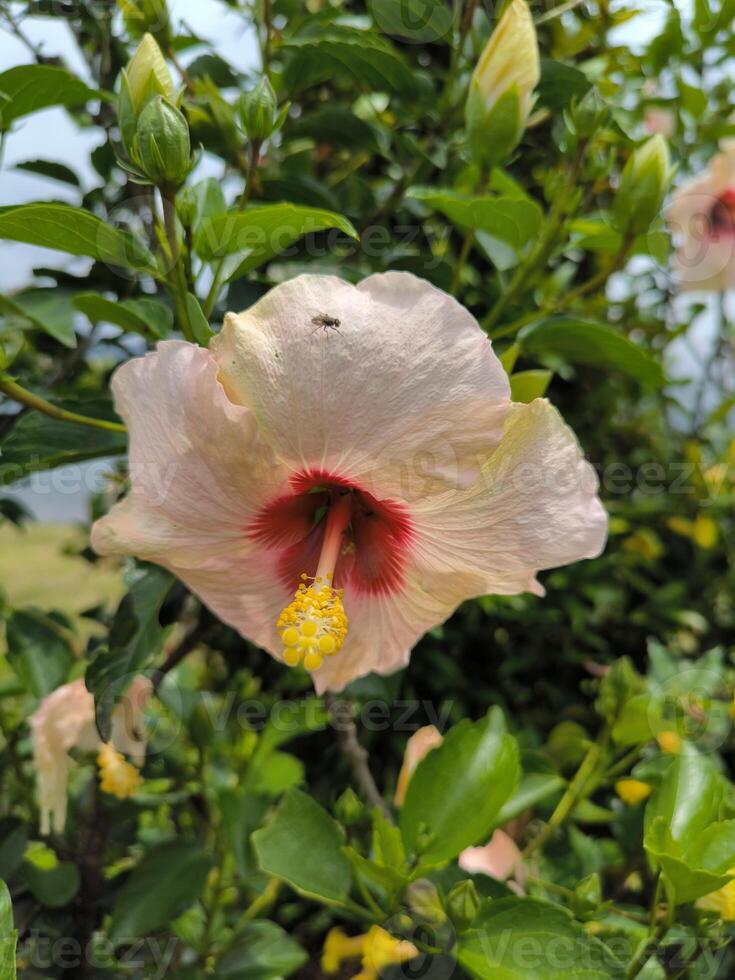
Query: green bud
[[587, 895], [146, 75], [147, 16], [259, 112], [588, 115], [643, 186], [187, 205], [463, 903], [424, 901], [349, 809], [162, 147], [500, 97], [617, 687]]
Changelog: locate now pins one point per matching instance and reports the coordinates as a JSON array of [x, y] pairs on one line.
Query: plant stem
[[574, 793], [359, 759], [27, 398], [177, 276], [469, 238], [253, 153], [569, 299]]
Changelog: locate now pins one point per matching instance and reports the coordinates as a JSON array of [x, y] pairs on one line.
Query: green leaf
[[514, 938], [29, 88], [596, 344], [54, 887], [261, 233], [145, 316], [24, 308], [261, 950], [77, 232], [699, 868], [458, 789], [8, 935], [37, 651], [348, 53], [135, 638], [13, 841], [303, 845], [336, 126], [198, 322], [560, 83], [51, 170], [532, 789], [425, 21], [525, 386], [165, 882], [242, 813], [516, 221], [37, 442], [689, 797]]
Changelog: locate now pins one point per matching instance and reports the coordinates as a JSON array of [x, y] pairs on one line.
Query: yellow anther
[[313, 625], [313, 661], [117, 776], [327, 644], [291, 636]]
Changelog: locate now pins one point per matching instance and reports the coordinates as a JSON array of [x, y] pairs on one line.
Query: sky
[[52, 135]]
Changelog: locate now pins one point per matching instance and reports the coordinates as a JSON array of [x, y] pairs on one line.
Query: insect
[[326, 322]]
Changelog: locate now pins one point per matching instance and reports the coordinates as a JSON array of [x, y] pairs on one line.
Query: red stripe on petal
[[373, 557]]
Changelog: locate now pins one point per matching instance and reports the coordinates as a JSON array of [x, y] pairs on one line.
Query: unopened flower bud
[[643, 186], [500, 97], [146, 16], [146, 75], [259, 112], [424, 901], [349, 809], [463, 903], [162, 147], [587, 116]]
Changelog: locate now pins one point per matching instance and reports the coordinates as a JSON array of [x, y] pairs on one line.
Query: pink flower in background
[[701, 217], [500, 859], [65, 720], [342, 469], [422, 741], [661, 121]]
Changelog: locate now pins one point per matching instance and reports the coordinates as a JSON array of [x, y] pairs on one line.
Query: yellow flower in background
[[381, 950], [702, 531], [377, 948], [669, 742], [644, 542], [339, 947], [632, 791], [117, 777], [722, 901], [501, 89]]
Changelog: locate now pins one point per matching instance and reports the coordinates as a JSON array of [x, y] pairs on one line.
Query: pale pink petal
[[535, 507], [63, 720], [706, 263], [705, 258], [197, 465], [499, 859], [405, 391], [419, 744]]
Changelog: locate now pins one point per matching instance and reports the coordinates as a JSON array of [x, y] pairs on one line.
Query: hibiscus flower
[[702, 217], [65, 720], [342, 468]]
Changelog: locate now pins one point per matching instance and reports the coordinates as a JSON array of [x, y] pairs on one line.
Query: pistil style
[[314, 624]]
